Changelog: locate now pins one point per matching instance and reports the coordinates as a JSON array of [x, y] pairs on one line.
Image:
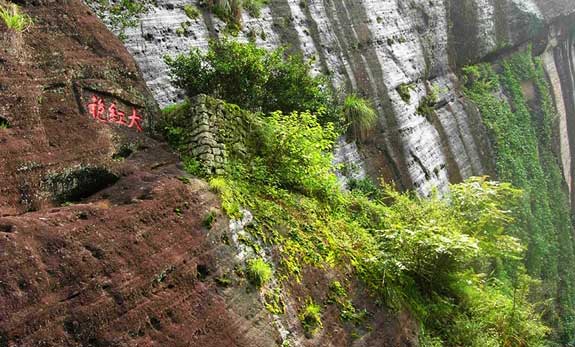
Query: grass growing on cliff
[[259, 272], [523, 141], [310, 317], [14, 19], [360, 116]]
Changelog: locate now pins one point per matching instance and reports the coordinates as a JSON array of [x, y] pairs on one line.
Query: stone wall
[[214, 131]]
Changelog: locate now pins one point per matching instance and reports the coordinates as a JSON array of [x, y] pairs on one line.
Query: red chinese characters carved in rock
[[97, 108]]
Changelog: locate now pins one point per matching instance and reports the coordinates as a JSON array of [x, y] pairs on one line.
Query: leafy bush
[[296, 151], [259, 272], [251, 77], [365, 187], [14, 19], [360, 116]]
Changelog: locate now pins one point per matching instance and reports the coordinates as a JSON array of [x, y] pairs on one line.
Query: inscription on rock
[[113, 113]]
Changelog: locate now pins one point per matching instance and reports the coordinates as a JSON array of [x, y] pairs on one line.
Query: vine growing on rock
[[523, 141]]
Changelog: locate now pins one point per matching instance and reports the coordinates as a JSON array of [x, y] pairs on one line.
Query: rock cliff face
[[375, 47], [102, 236]]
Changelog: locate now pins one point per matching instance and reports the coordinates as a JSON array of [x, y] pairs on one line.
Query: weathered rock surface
[[129, 261], [374, 47]]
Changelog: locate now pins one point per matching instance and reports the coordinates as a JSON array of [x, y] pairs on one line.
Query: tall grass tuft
[[360, 116], [14, 19]]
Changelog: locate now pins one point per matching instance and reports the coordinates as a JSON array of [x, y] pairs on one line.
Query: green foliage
[[120, 14], [296, 151], [14, 18], [4, 124], [229, 203], [259, 272], [404, 91], [251, 77], [229, 11], [254, 7], [273, 302], [336, 292], [360, 116], [415, 252], [310, 317], [454, 262], [223, 281], [348, 313], [209, 219], [192, 166], [426, 107], [191, 11], [523, 141], [365, 187]]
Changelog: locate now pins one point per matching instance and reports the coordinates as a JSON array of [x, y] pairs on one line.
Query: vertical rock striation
[[377, 48]]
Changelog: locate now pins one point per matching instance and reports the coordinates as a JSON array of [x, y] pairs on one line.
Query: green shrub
[[426, 107], [251, 77], [254, 7], [365, 187], [259, 272], [310, 317], [191, 11], [360, 116], [296, 151], [14, 19], [404, 91]]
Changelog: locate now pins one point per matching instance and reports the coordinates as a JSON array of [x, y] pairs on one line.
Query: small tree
[[251, 77]]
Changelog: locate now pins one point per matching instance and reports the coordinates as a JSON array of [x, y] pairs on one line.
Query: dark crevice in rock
[[315, 36], [4, 124], [78, 183], [122, 153], [7, 228], [418, 161], [452, 168]]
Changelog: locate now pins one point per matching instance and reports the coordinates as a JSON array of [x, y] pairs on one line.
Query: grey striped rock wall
[[374, 47]]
